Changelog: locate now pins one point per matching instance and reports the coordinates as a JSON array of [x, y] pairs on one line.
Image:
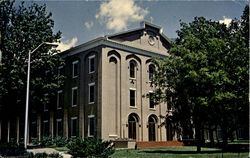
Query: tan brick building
[[106, 79]]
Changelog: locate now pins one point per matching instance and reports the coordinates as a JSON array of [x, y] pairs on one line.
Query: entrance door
[[132, 121], [151, 128]]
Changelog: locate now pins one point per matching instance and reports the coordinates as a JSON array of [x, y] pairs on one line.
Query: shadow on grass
[[232, 148]]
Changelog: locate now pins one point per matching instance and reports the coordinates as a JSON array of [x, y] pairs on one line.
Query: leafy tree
[[22, 30], [205, 77]]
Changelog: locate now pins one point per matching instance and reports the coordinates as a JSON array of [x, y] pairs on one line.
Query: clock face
[[151, 40]]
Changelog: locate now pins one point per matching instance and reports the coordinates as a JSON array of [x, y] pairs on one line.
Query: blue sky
[[81, 21]]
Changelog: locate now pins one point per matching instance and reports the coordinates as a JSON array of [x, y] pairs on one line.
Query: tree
[[22, 30], [205, 77]]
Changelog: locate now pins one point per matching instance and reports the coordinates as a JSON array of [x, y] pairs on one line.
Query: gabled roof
[[144, 24]]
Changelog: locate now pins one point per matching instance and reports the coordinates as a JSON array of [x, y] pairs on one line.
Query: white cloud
[[89, 24], [225, 20], [118, 14], [64, 45]]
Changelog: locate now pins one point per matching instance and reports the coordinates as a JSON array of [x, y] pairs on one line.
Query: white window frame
[[44, 122], [133, 89], [45, 108], [90, 116], [57, 120], [91, 57], [46, 72], [150, 92], [91, 84], [74, 88], [58, 94], [71, 129], [73, 67]]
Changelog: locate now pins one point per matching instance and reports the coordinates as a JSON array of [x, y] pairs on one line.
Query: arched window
[[151, 71], [152, 121], [132, 124], [132, 69]]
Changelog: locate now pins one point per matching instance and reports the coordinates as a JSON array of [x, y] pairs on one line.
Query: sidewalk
[[49, 151]]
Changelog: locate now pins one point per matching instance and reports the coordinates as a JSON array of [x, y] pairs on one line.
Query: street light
[[27, 92]]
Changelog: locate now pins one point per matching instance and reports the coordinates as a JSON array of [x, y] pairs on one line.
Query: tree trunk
[[198, 137]]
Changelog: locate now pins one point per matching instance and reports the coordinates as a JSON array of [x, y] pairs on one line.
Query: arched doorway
[[132, 126], [152, 125]]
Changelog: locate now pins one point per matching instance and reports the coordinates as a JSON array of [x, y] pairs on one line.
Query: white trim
[[45, 121], [72, 96], [57, 103], [114, 44], [73, 69], [133, 89], [90, 117], [91, 84], [71, 129], [89, 59], [33, 122]]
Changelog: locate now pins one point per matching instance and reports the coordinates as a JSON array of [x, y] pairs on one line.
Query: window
[[132, 69], [47, 72], [73, 126], [33, 130], [92, 64], [151, 101], [45, 104], [59, 127], [75, 70], [45, 128], [132, 97], [91, 93], [74, 96], [59, 99], [151, 72], [91, 125], [60, 72]]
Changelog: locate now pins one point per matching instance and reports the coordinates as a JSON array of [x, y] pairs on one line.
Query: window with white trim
[[132, 94], [74, 96], [59, 127], [91, 93], [59, 99], [91, 125], [151, 101], [92, 64], [45, 104], [75, 69], [73, 128], [45, 129]]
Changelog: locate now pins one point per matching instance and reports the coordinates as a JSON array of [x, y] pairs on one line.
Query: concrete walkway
[[48, 151]]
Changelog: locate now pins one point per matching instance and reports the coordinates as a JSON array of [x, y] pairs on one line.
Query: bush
[[46, 141], [90, 147], [12, 148], [60, 141], [44, 155], [35, 141]]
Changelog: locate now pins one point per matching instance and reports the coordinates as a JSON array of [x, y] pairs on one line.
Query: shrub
[[60, 141], [35, 141], [44, 155], [46, 141], [90, 147], [12, 148]]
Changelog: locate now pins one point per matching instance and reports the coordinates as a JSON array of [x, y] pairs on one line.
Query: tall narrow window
[[91, 93], [33, 130], [132, 98], [45, 128], [75, 70], [151, 72], [92, 64], [132, 69], [59, 99], [91, 125], [151, 101], [59, 127], [45, 104], [73, 126], [74, 96]]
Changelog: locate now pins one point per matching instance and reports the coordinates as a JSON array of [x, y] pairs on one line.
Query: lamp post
[[27, 92]]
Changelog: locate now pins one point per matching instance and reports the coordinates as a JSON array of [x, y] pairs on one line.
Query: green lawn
[[176, 152]]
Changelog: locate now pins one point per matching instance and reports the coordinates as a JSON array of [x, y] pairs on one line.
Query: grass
[[176, 152]]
